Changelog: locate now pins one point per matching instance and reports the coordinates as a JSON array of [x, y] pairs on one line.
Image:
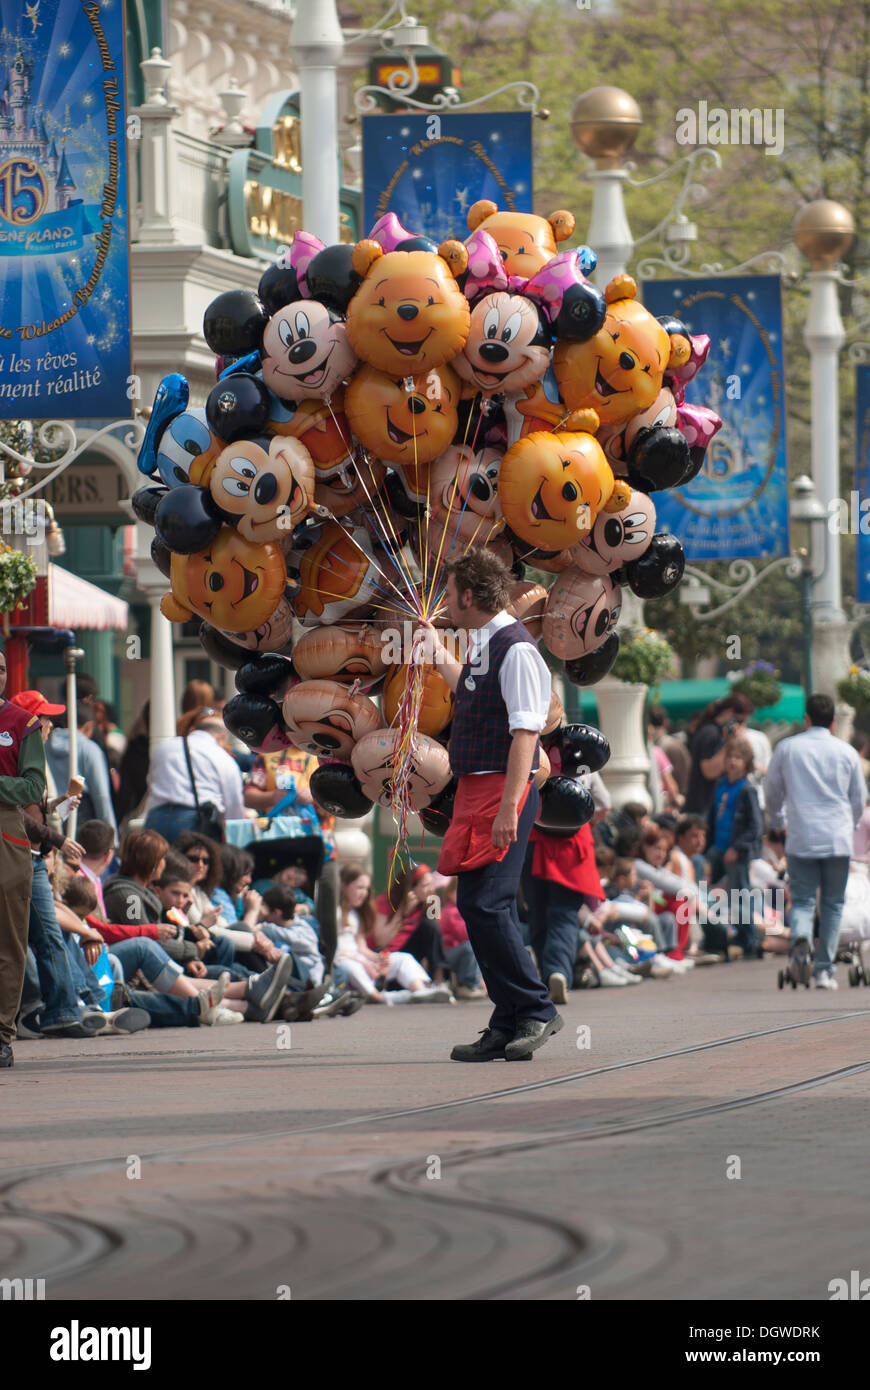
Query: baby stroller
[[855, 925]]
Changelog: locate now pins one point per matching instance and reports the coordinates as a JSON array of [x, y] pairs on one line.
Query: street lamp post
[[317, 44], [823, 231], [807, 509]]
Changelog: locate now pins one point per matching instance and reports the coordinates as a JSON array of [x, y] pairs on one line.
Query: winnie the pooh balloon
[[619, 371], [409, 314], [552, 486], [235, 584]]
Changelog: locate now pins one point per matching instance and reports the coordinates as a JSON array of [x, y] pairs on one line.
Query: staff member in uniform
[[502, 698], [22, 783]]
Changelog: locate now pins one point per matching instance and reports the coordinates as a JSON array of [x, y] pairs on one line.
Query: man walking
[[502, 698], [815, 784]]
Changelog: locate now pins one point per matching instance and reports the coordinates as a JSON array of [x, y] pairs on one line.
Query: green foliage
[[17, 578], [759, 684], [644, 659], [855, 689]]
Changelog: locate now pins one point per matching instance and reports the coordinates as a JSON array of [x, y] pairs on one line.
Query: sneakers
[[6, 1058], [470, 992], [130, 1020], [826, 981], [611, 979], [489, 1047], [333, 1002], [627, 977], [223, 1017], [435, 994], [558, 987], [28, 1025], [662, 967], [265, 991], [531, 1035]]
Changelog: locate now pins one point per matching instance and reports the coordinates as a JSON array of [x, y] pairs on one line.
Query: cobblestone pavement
[[350, 1159]]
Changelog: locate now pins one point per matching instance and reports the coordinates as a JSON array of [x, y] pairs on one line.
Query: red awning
[[73, 602]]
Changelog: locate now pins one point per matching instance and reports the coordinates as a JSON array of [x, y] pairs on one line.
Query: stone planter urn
[[621, 708]]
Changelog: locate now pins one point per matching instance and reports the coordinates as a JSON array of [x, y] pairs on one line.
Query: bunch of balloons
[[379, 409]]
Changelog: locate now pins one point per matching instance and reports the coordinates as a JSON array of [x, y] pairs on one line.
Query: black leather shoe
[[488, 1048], [531, 1035], [6, 1058]]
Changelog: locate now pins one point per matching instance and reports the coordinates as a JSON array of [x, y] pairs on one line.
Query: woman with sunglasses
[[204, 859], [172, 804]]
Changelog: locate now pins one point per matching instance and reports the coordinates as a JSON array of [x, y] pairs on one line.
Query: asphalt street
[[694, 1138]]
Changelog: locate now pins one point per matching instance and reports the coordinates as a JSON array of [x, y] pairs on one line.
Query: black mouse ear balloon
[[659, 570], [233, 323], [582, 748], [162, 556], [278, 286], [582, 313], [252, 718], [438, 814], [145, 501], [266, 674], [187, 519], [238, 406], [217, 647], [659, 459], [336, 791], [565, 806], [586, 670], [331, 278]]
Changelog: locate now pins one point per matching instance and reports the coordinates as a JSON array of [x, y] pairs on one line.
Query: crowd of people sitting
[[161, 925]]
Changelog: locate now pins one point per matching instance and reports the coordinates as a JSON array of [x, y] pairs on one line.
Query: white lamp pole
[[824, 231], [317, 45]]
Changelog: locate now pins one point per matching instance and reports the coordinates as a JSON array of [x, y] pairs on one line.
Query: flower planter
[[621, 707]]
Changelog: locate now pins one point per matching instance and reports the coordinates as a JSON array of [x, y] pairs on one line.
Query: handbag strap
[[190, 771]]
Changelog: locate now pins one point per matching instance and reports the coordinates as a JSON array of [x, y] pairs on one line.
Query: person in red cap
[[22, 783]]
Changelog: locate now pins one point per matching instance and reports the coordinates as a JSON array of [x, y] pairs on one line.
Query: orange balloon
[[404, 427], [234, 584], [436, 710]]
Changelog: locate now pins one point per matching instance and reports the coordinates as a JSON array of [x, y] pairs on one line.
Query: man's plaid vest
[[480, 736]]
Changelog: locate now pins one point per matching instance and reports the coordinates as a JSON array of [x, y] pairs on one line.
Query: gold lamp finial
[[604, 123], [824, 231]]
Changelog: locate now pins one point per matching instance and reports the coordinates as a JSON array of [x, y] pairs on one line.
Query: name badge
[[469, 683]]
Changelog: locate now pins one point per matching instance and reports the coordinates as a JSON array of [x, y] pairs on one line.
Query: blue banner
[[429, 170], [862, 482], [738, 505], [64, 256]]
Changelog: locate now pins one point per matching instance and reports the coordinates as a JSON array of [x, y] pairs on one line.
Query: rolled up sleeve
[[525, 686]]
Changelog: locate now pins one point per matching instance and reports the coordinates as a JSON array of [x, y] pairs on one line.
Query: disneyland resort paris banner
[[64, 264], [737, 506], [430, 169]]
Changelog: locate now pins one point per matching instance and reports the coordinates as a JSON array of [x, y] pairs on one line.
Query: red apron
[[468, 842]]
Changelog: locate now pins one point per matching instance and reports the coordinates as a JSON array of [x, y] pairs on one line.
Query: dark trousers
[[555, 927], [487, 902]]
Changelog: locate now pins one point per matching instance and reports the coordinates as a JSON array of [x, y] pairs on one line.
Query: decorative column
[[824, 231], [162, 679], [317, 44], [155, 157], [605, 122]]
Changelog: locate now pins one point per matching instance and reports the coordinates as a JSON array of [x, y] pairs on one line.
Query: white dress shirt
[[523, 677], [815, 787], [217, 776]]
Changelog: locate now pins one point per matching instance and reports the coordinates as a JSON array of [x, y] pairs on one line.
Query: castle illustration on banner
[[25, 140]]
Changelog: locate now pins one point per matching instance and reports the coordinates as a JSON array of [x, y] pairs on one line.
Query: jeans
[[460, 959], [741, 904], [167, 1010], [169, 820], [61, 1006], [806, 877], [87, 985], [555, 927], [145, 954]]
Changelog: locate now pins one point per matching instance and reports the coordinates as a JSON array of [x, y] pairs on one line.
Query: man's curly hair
[[488, 578]]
